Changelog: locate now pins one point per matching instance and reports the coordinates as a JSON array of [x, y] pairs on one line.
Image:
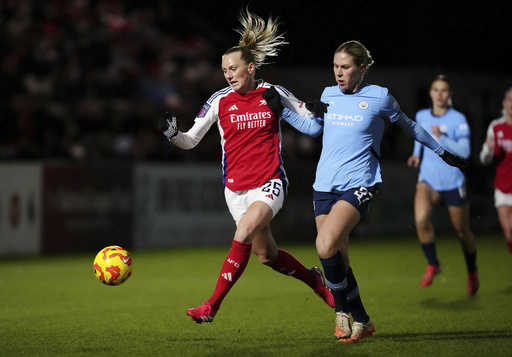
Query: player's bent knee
[[326, 249]]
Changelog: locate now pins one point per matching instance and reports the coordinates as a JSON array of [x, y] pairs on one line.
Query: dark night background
[[463, 35], [85, 79]]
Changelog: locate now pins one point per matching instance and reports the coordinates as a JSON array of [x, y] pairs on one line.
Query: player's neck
[[439, 111], [249, 88]]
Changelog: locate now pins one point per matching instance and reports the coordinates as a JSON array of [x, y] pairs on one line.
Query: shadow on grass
[[454, 305], [506, 290], [448, 335]]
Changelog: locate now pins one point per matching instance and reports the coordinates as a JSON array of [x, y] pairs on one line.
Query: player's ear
[[251, 68]]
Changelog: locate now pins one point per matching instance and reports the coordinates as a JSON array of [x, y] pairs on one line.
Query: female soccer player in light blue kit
[[440, 183], [348, 173]]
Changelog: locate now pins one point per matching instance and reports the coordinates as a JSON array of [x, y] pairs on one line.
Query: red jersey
[[501, 131], [250, 135], [251, 141]]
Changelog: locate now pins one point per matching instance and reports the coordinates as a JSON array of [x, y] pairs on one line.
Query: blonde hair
[[358, 52], [259, 39]]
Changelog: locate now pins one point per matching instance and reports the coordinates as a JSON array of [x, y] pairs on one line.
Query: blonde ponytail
[[258, 40]]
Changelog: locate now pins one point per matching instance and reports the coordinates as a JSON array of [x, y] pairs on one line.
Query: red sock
[[231, 270], [509, 244], [287, 264]]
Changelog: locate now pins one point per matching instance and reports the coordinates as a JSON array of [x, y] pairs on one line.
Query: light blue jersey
[[433, 170], [353, 128]]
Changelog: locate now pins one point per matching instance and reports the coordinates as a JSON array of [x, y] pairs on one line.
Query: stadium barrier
[[180, 205], [20, 208], [55, 208], [48, 208]]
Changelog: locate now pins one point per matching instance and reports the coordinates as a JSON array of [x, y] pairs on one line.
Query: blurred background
[[82, 83]]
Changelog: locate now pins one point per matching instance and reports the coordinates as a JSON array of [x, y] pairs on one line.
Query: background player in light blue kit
[[440, 183], [348, 173]]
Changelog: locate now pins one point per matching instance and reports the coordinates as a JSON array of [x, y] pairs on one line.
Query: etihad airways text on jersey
[[344, 117]]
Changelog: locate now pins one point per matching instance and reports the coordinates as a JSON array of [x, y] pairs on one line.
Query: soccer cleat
[[432, 270], [203, 313], [321, 288], [473, 283], [342, 326], [360, 330]]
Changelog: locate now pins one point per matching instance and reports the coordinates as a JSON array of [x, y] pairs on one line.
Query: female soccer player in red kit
[[255, 182], [498, 147]]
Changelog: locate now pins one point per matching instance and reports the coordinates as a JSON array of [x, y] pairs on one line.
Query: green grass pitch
[[54, 306]]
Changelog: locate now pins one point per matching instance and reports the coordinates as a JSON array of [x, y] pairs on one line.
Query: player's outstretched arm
[[304, 125], [168, 125], [419, 134]]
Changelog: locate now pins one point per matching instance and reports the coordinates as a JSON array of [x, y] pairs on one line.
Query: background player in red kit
[[254, 177], [498, 147]]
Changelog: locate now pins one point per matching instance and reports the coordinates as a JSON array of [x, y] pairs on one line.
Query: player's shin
[[287, 264], [232, 268], [354, 299], [334, 270]]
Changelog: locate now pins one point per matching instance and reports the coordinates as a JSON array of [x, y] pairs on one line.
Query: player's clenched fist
[[273, 100]]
